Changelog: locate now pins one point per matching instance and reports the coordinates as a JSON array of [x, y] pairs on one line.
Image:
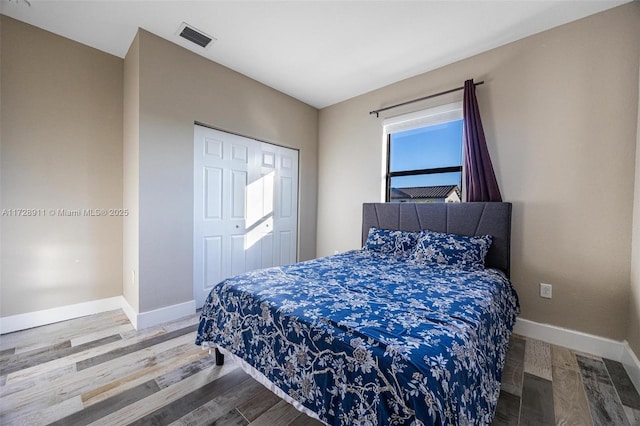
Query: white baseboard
[[583, 342], [130, 312], [49, 316], [571, 339], [138, 320], [162, 315], [632, 365]]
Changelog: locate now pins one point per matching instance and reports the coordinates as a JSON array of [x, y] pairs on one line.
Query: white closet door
[[286, 207], [236, 190]]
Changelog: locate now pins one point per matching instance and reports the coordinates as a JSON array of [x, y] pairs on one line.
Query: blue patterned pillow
[[394, 242], [451, 249]]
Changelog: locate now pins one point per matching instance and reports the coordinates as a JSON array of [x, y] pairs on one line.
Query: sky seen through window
[[429, 147]]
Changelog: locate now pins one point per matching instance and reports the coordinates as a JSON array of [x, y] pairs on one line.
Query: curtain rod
[[378, 111]]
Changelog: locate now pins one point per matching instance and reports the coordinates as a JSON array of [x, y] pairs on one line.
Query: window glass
[[429, 147], [424, 161]]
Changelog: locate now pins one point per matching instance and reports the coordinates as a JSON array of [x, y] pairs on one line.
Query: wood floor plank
[[165, 396], [194, 399], [7, 352], [108, 406], [36, 381], [215, 409], [626, 391], [588, 355], [90, 337], [55, 352], [164, 328], [9, 360], [147, 368], [42, 416], [121, 373], [116, 353], [304, 420], [178, 374], [507, 410], [259, 404], [201, 416], [563, 358], [222, 404], [537, 401], [280, 414], [603, 400], [632, 415], [537, 359], [513, 370], [232, 418], [30, 339], [229, 400], [569, 399]]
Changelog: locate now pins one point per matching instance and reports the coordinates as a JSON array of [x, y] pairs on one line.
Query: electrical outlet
[[546, 290]]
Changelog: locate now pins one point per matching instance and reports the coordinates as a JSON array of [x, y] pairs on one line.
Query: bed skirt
[[262, 379]]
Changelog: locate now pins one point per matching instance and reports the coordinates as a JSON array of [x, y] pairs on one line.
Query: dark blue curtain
[[480, 180]]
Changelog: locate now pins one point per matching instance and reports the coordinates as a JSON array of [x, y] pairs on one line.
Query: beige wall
[[176, 88], [61, 149], [560, 115], [633, 334], [93, 131]]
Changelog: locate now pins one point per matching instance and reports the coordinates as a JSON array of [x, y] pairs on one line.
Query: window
[[424, 155]]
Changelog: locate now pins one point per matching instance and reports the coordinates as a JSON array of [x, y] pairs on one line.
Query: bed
[[411, 329]]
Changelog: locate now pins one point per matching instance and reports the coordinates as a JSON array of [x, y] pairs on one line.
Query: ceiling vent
[[194, 35]]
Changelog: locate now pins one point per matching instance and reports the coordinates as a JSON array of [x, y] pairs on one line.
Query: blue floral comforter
[[362, 338]]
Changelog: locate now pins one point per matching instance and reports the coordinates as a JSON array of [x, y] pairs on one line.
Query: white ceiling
[[320, 52]]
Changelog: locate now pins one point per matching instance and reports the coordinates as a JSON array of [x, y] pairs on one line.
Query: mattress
[[366, 338]]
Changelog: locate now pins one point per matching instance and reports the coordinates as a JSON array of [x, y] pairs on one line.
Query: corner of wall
[[631, 364], [130, 179], [633, 329]]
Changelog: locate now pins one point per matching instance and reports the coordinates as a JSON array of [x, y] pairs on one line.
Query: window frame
[[424, 118]]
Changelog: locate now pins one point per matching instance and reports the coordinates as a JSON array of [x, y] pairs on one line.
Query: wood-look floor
[[100, 370]]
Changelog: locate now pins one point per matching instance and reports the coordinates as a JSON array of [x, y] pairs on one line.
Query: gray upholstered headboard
[[457, 218]]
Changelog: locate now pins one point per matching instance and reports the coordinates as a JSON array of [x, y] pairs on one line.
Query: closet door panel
[[212, 259], [213, 193], [238, 194], [286, 212]]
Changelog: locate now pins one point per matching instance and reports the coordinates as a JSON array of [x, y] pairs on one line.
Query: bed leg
[[219, 358]]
